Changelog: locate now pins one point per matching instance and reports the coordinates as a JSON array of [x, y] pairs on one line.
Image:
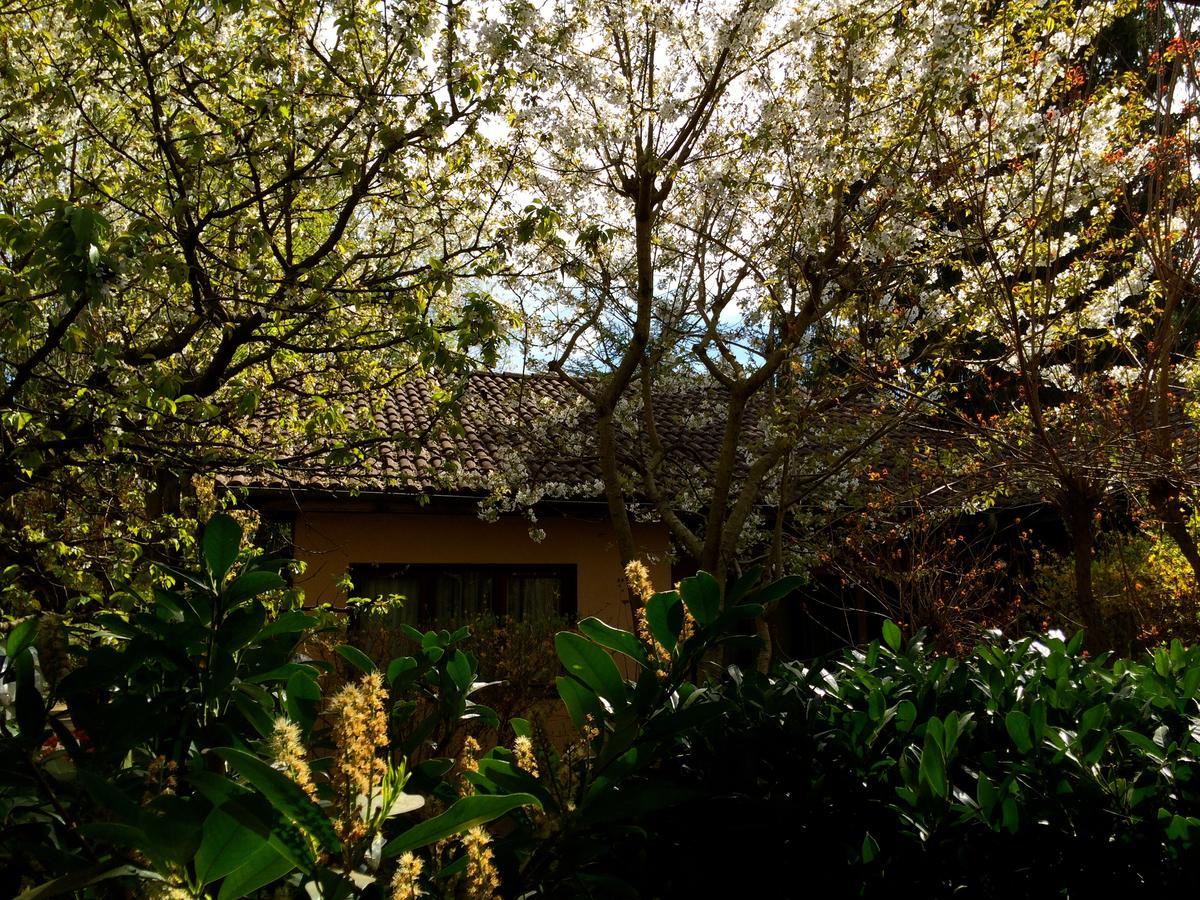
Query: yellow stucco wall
[[331, 541]]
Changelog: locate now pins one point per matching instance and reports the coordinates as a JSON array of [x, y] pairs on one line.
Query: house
[[431, 518], [430, 514]]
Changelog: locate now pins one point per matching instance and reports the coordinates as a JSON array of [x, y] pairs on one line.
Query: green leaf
[[77, 881], [1018, 726], [986, 794], [747, 580], [412, 634], [933, 765], [119, 833], [356, 658], [289, 623], [284, 794], [227, 844], [250, 705], [263, 867], [29, 704], [1011, 815], [466, 813], [399, 666], [613, 638], [892, 635], [107, 796], [702, 596], [251, 584], [743, 611], [303, 697], [1143, 743], [257, 813], [664, 615], [592, 665], [20, 638], [870, 848], [241, 627], [776, 590], [1075, 644], [458, 667], [579, 701], [220, 543]]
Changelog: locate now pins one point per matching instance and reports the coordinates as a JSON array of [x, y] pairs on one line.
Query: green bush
[[1026, 769], [175, 751], [1145, 588], [187, 746]]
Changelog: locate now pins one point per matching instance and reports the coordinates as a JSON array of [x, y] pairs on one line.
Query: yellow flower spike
[[468, 761], [288, 753], [406, 883], [359, 736], [526, 759], [483, 881]]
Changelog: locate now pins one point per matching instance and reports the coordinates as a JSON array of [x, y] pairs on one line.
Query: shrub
[[189, 746], [177, 751], [1026, 769], [517, 656], [1144, 586]]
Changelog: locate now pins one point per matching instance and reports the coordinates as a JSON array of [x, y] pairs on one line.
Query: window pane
[[437, 596], [380, 585], [532, 597], [463, 595]]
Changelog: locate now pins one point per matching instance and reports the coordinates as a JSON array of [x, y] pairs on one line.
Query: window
[[457, 593]]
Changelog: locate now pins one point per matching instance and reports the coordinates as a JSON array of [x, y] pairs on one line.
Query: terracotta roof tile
[[535, 423]]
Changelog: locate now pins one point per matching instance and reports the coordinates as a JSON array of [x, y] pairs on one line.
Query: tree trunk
[[1079, 512], [1164, 498]]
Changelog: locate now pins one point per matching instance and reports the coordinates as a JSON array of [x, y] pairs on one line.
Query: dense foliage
[[935, 257], [167, 746], [848, 288], [208, 211], [195, 746], [1026, 769]]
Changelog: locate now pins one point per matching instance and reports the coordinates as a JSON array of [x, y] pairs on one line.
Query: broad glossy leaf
[[460, 670], [579, 700], [400, 666], [1018, 726], [891, 635], [241, 627], [227, 844], [702, 595], [302, 698], [220, 543], [263, 867], [356, 658], [592, 665], [776, 590], [745, 582], [21, 638], [30, 706], [75, 882], [284, 794], [289, 623], [464, 814], [933, 765], [252, 584], [613, 638], [664, 615]]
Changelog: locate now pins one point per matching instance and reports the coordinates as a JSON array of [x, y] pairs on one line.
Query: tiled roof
[[536, 432], [505, 422]]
